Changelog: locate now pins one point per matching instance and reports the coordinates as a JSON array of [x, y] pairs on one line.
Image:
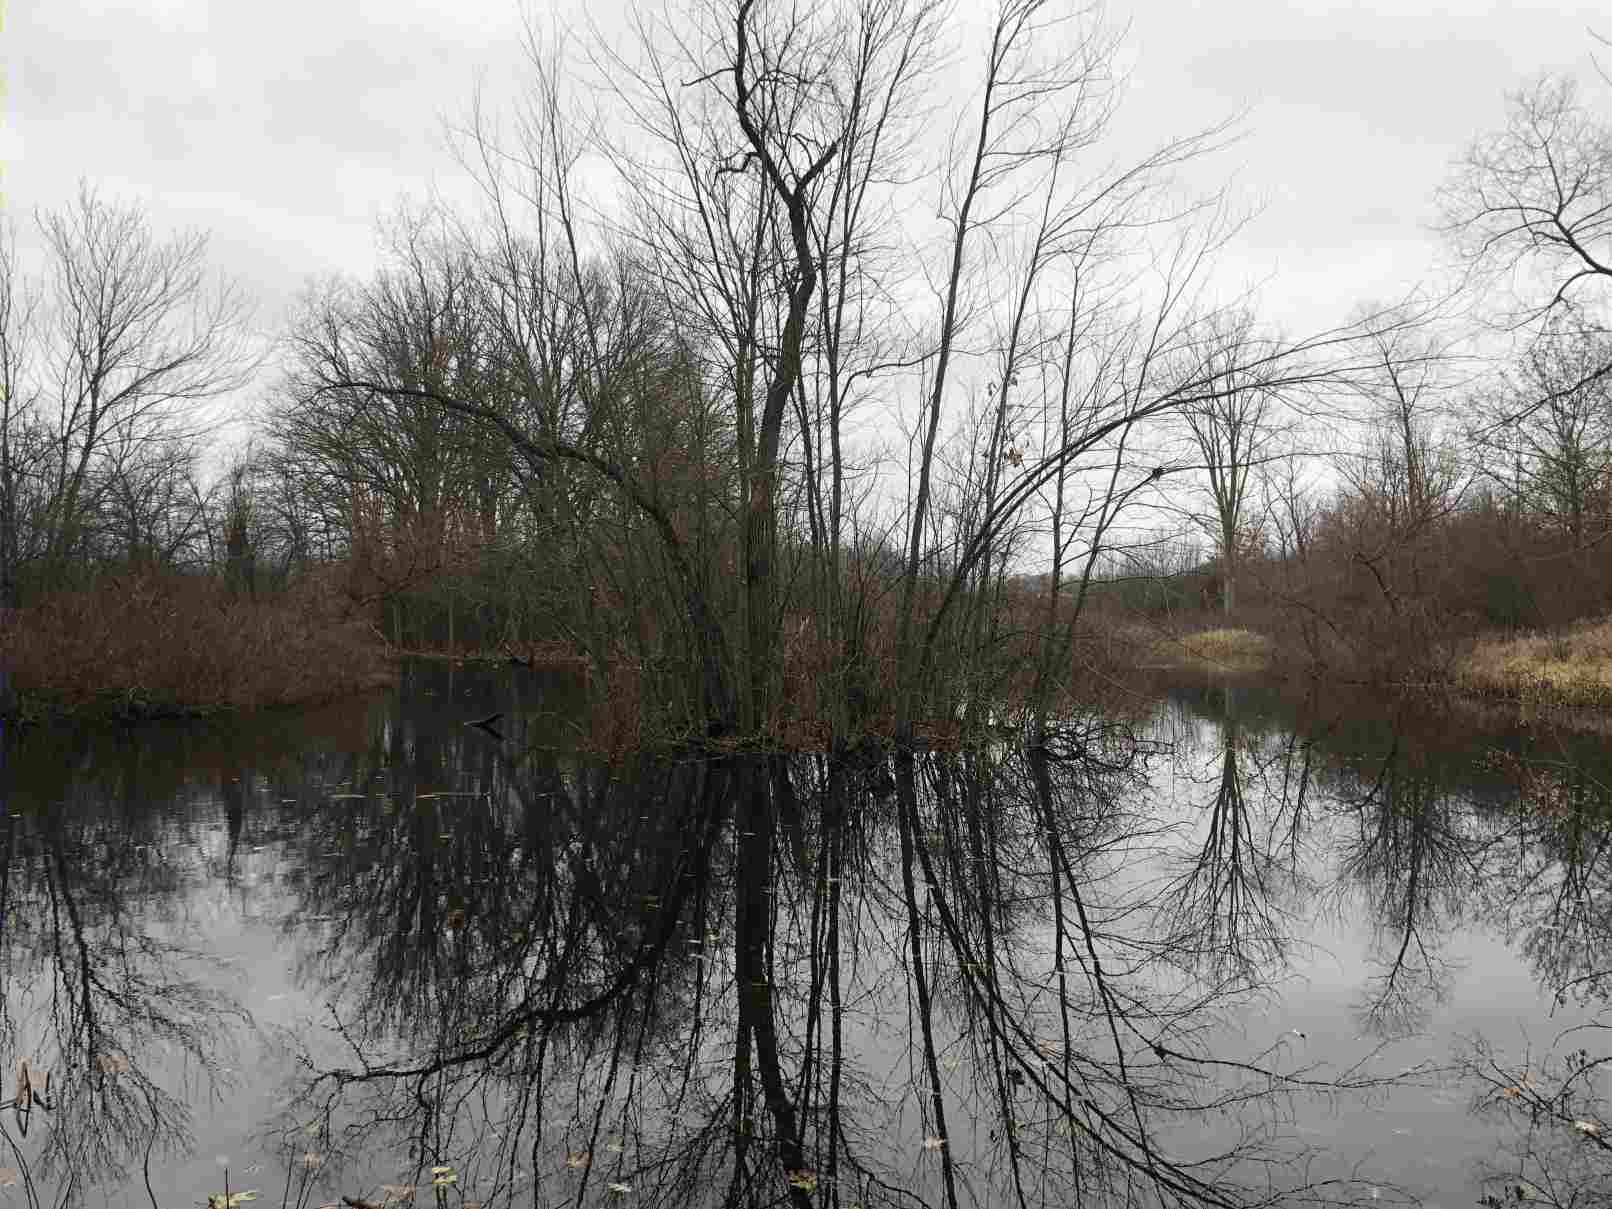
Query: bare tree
[[21, 445], [104, 366], [411, 483], [148, 506], [1408, 478], [1232, 429], [1546, 436], [1531, 208], [753, 281], [1042, 251], [1535, 199]]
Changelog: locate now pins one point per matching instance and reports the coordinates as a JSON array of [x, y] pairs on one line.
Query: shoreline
[[1565, 676]]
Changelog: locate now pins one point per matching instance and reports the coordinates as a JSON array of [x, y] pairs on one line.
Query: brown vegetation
[[1225, 649], [1567, 667], [149, 644]]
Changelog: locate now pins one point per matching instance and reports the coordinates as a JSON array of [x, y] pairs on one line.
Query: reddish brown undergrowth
[[154, 644]]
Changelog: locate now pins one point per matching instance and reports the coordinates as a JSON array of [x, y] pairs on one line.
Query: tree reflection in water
[[1548, 883], [750, 978], [1414, 847], [993, 976], [1228, 906], [103, 1000]]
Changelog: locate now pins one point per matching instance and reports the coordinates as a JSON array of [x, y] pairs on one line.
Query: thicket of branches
[[703, 392]]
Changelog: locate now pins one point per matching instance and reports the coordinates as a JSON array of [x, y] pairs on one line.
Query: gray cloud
[[287, 129]]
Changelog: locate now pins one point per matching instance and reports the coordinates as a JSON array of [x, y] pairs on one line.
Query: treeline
[[704, 395], [103, 362], [129, 566], [1464, 505]]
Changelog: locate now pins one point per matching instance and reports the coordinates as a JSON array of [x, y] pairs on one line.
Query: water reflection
[[374, 948], [1229, 905], [1549, 883], [106, 997], [752, 978]]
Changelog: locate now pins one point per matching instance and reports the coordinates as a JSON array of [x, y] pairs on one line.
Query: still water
[[1232, 950]]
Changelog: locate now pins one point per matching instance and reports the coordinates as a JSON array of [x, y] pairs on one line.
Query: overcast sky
[[286, 129]]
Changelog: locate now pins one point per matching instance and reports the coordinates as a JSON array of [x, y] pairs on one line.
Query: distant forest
[[737, 388]]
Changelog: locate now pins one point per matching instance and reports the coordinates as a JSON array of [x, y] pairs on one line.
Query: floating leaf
[[8, 1177], [806, 1181], [577, 1158], [1590, 1127], [614, 1146], [619, 1189], [934, 1143], [219, 1201], [441, 1177]]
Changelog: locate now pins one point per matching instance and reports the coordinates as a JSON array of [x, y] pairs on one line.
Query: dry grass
[[1225, 649], [1571, 667], [151, 645]]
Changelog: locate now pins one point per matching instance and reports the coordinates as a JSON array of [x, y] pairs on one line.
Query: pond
[[1234, 949]]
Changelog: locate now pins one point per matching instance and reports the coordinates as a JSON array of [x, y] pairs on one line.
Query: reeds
[[154, 644], [1224, 649], [1568, 667]]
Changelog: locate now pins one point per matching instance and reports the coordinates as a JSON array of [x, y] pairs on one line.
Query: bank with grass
[[1566, 667], [1228, 649]]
